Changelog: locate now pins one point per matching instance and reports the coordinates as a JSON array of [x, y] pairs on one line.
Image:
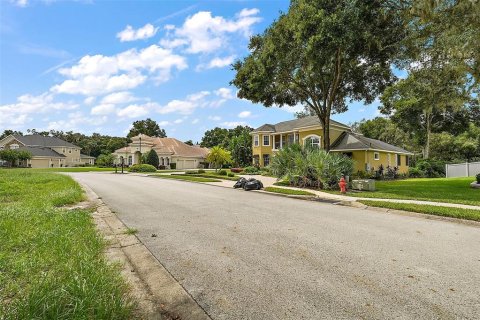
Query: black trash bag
[[240, 183], [253, 184]]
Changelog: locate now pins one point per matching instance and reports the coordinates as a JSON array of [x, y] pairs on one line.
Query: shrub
[[431, 168], [191, 172], [310, 167], [105, 160], [161, 167], [236, 170], [231, 174], [152, 158], [391, 173], [142, 168], [415, 172], [222, 172], [478, 178], [201, 171], [173, 165], [251, 170]]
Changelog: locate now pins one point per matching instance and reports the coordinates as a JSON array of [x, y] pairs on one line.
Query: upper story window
[[14, 146], [376, 156], [312, 141], [266, 140], [255, 141]]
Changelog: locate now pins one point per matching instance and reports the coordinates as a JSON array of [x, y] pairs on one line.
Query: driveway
[[247, 255]]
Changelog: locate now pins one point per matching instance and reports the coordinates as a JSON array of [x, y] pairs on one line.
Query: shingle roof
[[41, 152], [170, 146], [43, 141], [84, 156], [291, 125], [353, 141]]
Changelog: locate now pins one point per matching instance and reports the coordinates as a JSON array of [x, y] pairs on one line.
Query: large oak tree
[[320, 54]]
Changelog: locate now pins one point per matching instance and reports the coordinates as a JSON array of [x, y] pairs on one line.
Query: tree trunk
[[427, 144], [326, 134]]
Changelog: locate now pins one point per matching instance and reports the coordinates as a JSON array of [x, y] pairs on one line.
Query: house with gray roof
[[46, 151], [368, 154]]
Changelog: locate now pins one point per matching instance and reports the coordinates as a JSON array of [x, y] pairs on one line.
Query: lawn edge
[[359, 205], [158, 294]]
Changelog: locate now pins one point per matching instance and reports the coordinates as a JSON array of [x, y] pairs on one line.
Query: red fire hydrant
[[343, 185]]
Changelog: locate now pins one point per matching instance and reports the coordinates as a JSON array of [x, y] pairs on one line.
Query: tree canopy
[[148, 127], [321, 53], [218, 157]]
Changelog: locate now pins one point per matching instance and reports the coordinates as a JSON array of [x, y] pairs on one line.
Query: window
[[255, 141], [399, 160], [291, 138], [266, 160], [14, 146], [407, 160], [130, 160], [266, 140], [313, 141], [376, 156]]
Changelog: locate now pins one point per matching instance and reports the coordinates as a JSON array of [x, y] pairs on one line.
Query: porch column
[[281, 141], [273, 141]]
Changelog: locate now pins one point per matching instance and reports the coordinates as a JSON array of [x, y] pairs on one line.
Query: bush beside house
[[142, 168]]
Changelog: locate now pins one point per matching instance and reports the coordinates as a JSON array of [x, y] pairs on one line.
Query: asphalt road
[[246, 255]]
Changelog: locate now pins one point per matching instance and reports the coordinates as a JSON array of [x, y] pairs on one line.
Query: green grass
[[289, 191], [451, 190], [459, 213], [71, 169], [186, 177], [131, 231], [213, 175], [51, 260]]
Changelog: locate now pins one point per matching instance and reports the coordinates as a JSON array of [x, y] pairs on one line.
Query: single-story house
[[46, 151], [368, 153], [169, 150]]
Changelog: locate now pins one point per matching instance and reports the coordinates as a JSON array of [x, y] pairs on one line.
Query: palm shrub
[[310, 167]]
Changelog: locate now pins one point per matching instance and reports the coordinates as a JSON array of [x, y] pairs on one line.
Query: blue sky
[[97, 66]]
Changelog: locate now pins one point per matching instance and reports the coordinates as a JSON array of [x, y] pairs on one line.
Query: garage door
[[189, 164]]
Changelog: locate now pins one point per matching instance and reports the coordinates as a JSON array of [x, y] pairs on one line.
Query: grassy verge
[[459, 213], [51, 260], [70, 169], [213, 176], [186, 177], [451, 190], [289, 191]]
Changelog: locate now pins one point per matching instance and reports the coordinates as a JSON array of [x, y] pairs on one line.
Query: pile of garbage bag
[[248, 184]]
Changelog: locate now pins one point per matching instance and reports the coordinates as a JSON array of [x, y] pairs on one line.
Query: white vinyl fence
[[467, 169]]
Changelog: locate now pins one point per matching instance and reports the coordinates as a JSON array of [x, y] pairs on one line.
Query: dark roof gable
[[43, 141], [355, 141], [290, 125]]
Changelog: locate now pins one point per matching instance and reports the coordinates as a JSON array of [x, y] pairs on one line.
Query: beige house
[[169, 150], [47, 152]]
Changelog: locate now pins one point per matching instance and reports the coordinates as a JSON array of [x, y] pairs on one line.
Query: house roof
[[169, 146], [43, 141], [84, 156], [355, 141], [41, 152], [295, 124]]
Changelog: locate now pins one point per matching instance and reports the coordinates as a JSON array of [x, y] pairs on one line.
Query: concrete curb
[[158, 294]]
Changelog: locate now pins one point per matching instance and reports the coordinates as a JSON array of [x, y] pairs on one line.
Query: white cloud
[[217, 63], [244, 114], [98, 74], [178, 121], [89, 100], [135, 110], [18, 113], [203, 33], [225, 93], [118, 98], [195, 121], [186, 106], [20, 3], [163, 123], [103, 109], [233, 124], [75, 122], [130, 34]]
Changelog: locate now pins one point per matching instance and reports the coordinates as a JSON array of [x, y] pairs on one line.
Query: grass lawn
[[289, 191], [72, 169], [214, 176], [186, 177], [459, 213], [451, 190], [51, 260]]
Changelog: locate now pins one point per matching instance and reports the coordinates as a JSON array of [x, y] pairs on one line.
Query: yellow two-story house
[[367, 153]]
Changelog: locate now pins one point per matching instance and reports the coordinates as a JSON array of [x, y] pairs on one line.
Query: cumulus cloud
[[217, 63], [130, 34], [118, 98], [103, 109], [135, 110], [75, 122], [187, 105], [99, 74], [214, 118], [233, 124], [244, 114], [20, 3], [19, 113], [224, 93], [204, 33]]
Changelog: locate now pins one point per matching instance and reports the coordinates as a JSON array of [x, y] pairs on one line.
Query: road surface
[[247, 255]]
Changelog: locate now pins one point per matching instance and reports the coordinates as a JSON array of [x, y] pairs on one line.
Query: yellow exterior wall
[[261, 149], [72, 155], [363, 157]]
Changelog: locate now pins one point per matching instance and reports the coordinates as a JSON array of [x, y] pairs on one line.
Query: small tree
[[218, 157], [24, 155], [9, 155], [152, 158], [105, 160]]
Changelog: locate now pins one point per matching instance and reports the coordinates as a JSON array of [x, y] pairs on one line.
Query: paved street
[[246, 255]]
